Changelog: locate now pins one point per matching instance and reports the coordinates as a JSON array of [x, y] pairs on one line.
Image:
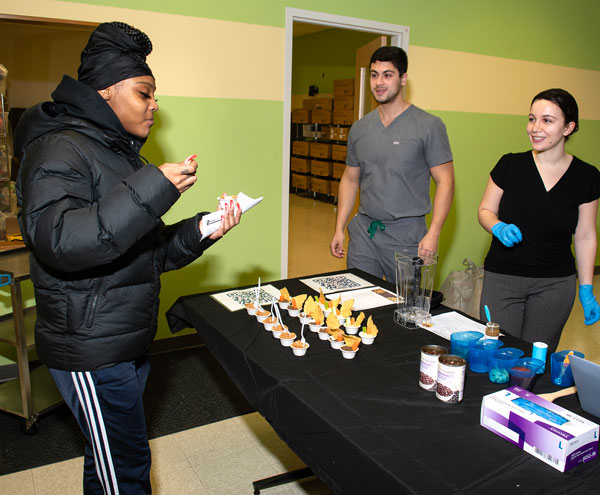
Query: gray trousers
[[377, 256], [533, 309]]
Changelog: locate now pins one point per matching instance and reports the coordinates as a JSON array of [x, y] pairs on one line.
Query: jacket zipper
[[92, 310]]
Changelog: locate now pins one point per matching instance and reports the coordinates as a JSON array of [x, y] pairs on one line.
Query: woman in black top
[[536, 204]]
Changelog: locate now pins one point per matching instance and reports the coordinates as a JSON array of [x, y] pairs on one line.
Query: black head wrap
[[115, 51]]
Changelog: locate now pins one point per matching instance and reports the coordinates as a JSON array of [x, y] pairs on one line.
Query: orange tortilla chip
[[318, 316], [321, 296], [371, 327], [360, 319], [310, 306], [332, 321], [284, 295], [346, 309], [335, 303], [352, 341], [298, 301]]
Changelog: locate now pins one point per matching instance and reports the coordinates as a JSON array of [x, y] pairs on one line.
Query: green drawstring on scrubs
[[373, 228]]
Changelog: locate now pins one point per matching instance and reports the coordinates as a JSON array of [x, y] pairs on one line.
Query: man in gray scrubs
[[392, 153]]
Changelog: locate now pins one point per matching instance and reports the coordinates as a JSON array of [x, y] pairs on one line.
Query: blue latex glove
[[509, 235], [591, 309]]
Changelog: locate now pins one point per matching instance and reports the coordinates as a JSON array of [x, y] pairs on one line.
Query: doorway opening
[[306, 237]]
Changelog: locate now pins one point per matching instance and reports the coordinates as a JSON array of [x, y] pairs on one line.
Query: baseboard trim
[[8, 372]]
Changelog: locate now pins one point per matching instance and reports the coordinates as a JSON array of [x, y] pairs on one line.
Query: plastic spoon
[[302, 335], [487, 313], [563, 369], [279, 320], [258, 292]]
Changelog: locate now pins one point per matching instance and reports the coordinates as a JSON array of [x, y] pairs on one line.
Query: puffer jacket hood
[[90, 213], [78, 107]]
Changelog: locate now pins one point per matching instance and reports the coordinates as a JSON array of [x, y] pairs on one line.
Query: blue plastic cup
[[479, 351], [560, 373], [459, 342], [500, 362], [524, 372]]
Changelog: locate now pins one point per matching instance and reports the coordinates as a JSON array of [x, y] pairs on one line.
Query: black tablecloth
[[364, 425]]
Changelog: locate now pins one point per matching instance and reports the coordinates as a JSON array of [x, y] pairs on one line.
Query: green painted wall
[[323, 57], [549, 31], [239, 145]]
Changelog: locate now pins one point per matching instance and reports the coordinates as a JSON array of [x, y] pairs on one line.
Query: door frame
[[399, 37]]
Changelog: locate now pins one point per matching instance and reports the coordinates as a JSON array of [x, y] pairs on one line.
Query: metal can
[[450, 378], [429, 366]]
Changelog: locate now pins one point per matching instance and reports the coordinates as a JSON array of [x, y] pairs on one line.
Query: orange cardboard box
[[343, 103], [301, 165], [334, 187], [301, 181], [321, 168], [301, 116], [301, 148], [343, 117], [320, 150], [323, 103], [338, 152], [320, 185], [343, 87], [309, 104], [338, 170], [322, 116]]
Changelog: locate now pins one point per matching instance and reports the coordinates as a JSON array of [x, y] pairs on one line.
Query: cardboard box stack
[[319, 165]]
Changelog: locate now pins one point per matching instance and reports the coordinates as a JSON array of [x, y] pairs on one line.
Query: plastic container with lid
[[524, 372], [501, 361], [459, 342], [479, 351]]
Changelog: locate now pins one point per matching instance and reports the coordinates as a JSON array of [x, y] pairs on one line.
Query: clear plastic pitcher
[[414, 286]]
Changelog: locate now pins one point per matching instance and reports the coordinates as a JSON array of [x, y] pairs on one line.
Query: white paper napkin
[[211, 222]]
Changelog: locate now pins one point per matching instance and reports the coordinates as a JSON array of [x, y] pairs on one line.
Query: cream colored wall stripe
[[193, 57], [466, 82], [208, 58]]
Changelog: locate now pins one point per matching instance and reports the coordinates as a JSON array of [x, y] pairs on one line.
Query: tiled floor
[[221, 458], [311, 227], [224, 458]]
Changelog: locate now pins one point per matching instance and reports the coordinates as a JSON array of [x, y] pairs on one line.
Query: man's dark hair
[[394, 54]]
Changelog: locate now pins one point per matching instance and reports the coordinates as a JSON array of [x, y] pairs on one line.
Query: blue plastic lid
[[467, 336], [507, 353], [487, 344], [531, 362]]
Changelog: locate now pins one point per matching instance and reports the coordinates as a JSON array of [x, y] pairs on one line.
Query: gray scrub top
[[395, 160]]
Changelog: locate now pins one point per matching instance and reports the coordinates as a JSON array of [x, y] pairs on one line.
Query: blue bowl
[[459, 342], [500, 362], [479, 351]]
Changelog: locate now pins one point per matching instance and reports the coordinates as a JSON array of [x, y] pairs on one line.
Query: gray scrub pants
[[377, 255], [533, 309]]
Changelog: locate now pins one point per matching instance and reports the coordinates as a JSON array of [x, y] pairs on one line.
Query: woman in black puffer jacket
[[90, 212]]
